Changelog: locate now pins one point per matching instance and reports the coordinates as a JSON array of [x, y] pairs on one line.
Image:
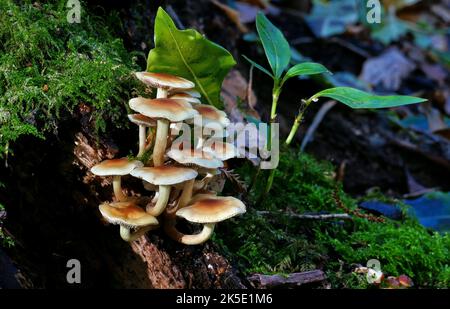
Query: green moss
[[276, 242], [5, 240], [49, 66]]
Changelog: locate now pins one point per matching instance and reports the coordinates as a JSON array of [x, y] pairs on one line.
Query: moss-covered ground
[[276, 242]]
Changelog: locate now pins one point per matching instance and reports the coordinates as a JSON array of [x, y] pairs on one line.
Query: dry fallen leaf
[[387, 70], [235, 89]]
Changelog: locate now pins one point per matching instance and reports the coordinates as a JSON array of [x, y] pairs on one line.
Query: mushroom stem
[[163, 198], [162, 131], [201, 184], [161, 93], [194, 239], [142, 140], [117, 186], [129, 236], [186, 195]]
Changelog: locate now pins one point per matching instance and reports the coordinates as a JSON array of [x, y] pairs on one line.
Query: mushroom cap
[[127, 214], [173, 110], [194, 156], [210, 114], [221, 150], [165, 175], [192, 92], [205, 208], [142, 120], [163, 80], [185, 96], [115, 167]]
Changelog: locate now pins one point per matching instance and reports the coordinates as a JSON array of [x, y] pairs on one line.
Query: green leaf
[[259, 67], [277, 49], [305, 68], [189, 54], [359, 99]]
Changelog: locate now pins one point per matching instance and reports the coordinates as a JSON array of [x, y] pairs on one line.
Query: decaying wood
[[293, 280]]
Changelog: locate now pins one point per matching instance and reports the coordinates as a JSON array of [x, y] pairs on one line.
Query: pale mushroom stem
[[162, 131], [194, 239], [127, 235], [186, 195], [161, 93], [117, 186], [142, 140], [201, 184], [163, 198]]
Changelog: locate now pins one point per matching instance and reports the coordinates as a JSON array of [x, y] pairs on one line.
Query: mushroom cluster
[[178, 176]]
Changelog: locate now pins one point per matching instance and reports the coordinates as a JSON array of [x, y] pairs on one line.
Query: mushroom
[[166, 111], [185, 96], [212, 119], [221, 150], [128, 216], [116, 168], [143, 122], [207, 210], [164, 177], [164, 82], [194, 157]]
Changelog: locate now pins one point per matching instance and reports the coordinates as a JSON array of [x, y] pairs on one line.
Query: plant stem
[[297, 122]]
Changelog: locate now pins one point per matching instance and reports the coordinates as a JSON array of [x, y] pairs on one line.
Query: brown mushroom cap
[[164, 81], [210, 114], [185, 96], [142, 120], [192, 92], [115, 167], [126, 214], [221, 150], [211, 209], [164, 175], [173, 110], [194, 156]]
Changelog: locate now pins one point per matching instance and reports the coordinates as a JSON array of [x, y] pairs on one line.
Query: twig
[[292, 280], [175, 17], [311, 216], [316, 122]]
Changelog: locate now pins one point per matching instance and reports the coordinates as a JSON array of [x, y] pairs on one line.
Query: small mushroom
[[164, 177], [191, 92], [116, 168], [143, 122], [207, 210], [164, 82], [166, 111], [185, 96], [211, 115], [203, 161], [128, 216]]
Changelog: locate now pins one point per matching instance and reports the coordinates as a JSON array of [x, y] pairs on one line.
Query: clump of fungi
[[178, 176]]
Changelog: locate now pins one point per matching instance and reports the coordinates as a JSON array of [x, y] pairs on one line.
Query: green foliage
[[189, 54], [48, 67], [275, 45], [305, 68], [355, 98], [276, 242]]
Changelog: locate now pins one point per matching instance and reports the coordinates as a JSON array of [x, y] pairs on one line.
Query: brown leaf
[[234, 89], [387, 70], [232, 14]]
